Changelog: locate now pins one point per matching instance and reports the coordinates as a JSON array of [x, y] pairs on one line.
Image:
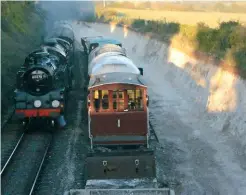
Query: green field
[[212, 19]]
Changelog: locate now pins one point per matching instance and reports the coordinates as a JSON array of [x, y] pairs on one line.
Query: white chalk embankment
[[197, 110]]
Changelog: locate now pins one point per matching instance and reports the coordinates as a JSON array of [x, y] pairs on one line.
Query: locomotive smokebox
[[38, 80]]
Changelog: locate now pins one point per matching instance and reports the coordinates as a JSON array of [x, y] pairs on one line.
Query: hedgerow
[[226, 42]]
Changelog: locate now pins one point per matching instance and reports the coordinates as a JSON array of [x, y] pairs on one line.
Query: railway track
[[153, 135], [8, 118], [21, 171], [10, 139], [12, 153]]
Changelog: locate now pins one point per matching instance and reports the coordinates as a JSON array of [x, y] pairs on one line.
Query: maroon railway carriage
[[117, 116], [118, 112]]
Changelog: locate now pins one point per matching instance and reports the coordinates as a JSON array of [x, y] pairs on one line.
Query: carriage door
[[118, 98]]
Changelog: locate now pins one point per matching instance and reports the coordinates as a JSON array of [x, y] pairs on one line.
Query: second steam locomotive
[[45, 78]]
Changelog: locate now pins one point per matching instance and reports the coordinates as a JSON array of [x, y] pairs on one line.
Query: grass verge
[[21, 32]]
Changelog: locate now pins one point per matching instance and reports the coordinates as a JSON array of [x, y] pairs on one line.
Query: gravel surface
[[197, 111]]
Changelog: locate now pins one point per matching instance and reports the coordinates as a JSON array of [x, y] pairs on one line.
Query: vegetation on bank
[[225, 7], [212, 19], [227, 42], [21, 32]]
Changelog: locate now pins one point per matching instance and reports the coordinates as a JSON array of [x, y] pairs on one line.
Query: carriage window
[[118, 100], [115, 100], [131, 99], [105, 103], [135, 99], [97, 95], [121, 100], [101, 99]]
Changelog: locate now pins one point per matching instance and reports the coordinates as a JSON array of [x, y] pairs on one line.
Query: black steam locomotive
[[45, 78]]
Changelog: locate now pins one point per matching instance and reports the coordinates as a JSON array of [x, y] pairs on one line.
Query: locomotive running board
[[120, 169]]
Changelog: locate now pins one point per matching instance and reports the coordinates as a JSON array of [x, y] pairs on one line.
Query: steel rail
[[153, 131], [10, 157], [40, 167]]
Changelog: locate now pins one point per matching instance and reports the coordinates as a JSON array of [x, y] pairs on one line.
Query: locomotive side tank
[[45, 78]]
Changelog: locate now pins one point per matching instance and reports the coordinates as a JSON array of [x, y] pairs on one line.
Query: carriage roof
[[112, 63], [116, 78]]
